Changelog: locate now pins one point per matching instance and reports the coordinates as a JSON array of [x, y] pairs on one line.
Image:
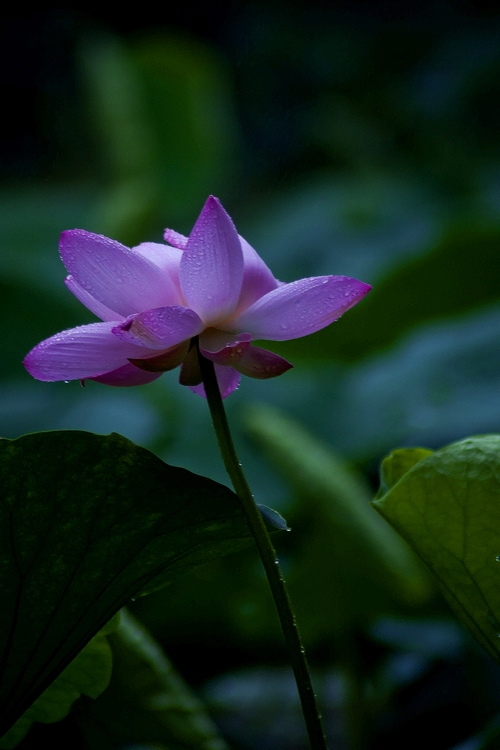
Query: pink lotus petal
[[227, 378], [229, 355], [257, 278], [300, 308], [211, 269], [261, 364], [127, 375], [167, 360], [175, 239], [168, 260], [79, 353], [160, 328], [213, 340], [102, 312], [117, 277]]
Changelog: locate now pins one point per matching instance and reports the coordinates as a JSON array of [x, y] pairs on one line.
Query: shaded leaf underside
[[87, 522]]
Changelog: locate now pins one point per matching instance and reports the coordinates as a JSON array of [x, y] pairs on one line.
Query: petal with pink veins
[[257, 278], [79, 353], [261, 364], [227, 378], [119, 278], [102, 312], [211, 269], [160, 328], [300, 308], [125, 376]]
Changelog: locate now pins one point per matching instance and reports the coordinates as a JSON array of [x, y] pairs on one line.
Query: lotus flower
[[153, 299]]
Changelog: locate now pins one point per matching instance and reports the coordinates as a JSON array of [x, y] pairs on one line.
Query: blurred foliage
[[167, 133], [342, 140], [146, 701], [365, 567]]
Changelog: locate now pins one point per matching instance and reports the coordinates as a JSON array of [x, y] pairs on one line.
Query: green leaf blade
[[447, 506], [86, 523]]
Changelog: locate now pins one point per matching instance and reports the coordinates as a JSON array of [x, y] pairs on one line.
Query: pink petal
[[300, 308], [211, 269], [83, 352], [119, 278], [175, 239], [168, 260], [227, 378], [160, 328], [230, 355], [127, 375], [102, 312], [213, 340], [257, 278], [167, 360], [261, 364]]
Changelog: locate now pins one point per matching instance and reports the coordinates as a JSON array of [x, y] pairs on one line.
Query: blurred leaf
[[165, 121], [459, 275], [88, 674], [86, 523], [361, 225], [147, 702], [447, 508], [433, 638], [34, 303], [441, 383], [29, 315], [347, 550]]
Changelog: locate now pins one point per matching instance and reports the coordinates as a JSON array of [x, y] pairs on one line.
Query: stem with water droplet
[[267, 555]]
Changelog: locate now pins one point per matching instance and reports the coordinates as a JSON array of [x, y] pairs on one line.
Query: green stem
[[267, 555]]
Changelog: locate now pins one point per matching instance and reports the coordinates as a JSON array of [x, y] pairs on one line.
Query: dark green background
[[351, 138]]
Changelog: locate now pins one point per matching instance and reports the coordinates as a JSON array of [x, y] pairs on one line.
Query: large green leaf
[[447, 506], [87, 522], [147, 702]]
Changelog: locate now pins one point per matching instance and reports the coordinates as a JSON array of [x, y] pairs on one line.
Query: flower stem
[[267, 555]]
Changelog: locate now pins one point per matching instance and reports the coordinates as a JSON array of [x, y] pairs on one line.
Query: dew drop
[[497, 558]]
